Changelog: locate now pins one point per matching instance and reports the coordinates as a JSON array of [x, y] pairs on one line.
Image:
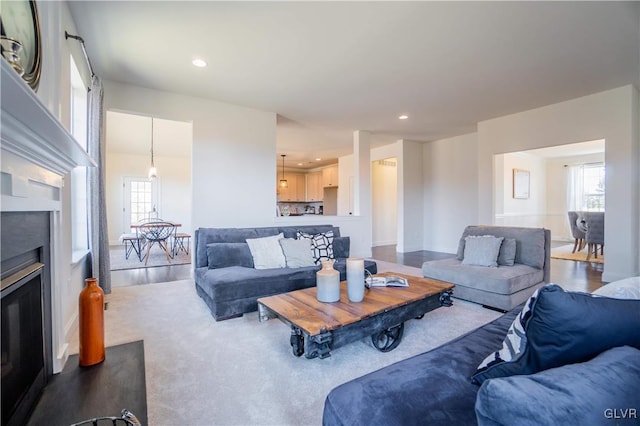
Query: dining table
[[155, 231]]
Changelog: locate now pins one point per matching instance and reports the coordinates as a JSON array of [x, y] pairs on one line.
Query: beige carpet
[[157, 257], [564, 252], [242, 371]]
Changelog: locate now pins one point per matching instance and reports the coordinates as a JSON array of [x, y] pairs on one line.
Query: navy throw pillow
[[564, 328], [602, 391]]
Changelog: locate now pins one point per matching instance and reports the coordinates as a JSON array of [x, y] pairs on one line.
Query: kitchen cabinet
[[296, 189], [330, 176], [314, 186]]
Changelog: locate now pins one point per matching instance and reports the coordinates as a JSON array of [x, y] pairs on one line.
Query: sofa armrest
[[341, 247]]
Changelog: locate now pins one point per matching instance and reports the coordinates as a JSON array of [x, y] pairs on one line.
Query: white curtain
[[99, 242], [575, 188]]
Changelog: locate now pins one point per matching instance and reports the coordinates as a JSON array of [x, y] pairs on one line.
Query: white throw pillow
[[481, 250], [266, 252]]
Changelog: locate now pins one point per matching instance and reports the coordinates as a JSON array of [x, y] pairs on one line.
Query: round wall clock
[[21, 43]]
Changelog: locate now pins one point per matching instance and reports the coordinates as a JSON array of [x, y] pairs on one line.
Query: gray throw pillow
[[481, 250], [578, 394], [297, 252], [222, 255], [507, 254]]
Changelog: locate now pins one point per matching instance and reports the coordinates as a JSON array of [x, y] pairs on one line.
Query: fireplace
[[36, 151], [26, 312]]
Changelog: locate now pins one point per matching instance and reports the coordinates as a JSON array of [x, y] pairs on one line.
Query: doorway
[[549, 198], [384, 199], [130, 194]]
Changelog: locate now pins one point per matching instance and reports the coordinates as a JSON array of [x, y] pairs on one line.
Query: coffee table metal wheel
[[297, 343], [389, 339]]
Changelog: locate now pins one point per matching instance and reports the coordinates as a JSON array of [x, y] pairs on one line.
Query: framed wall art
[[521, 183]]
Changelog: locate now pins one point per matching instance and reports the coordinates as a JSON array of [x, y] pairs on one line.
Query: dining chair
[[577, 233], [133, 242], [157, 232], [595, 233], [181, 242]]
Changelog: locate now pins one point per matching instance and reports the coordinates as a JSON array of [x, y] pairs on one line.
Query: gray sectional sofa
[[517, 274], [579, 364], [225, 277]]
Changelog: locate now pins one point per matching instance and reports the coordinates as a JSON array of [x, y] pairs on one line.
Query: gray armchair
[[595, 233], [577, 233]]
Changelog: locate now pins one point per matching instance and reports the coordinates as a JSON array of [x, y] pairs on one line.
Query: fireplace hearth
[[26, 312]]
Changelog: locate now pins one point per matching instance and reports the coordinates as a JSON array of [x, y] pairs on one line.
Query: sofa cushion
[[267, 252], [507, 254], [321, 244], [297, 252], [237, 282], [582, 393], [530, 242], [481, 250], [432, 388], [501, 280], [565, 327], [221, 255]]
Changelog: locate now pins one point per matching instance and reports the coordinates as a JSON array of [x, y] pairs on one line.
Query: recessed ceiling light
[[318, 159], [299, 164], [200, 63], [403, 117]]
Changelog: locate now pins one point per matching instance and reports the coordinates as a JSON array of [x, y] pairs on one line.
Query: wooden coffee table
[[318, 327]]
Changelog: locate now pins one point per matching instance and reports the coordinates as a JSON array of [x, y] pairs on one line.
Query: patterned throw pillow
[[321, 245], [514, 342]]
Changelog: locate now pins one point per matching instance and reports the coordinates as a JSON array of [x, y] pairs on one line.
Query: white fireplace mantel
[[31, 131]]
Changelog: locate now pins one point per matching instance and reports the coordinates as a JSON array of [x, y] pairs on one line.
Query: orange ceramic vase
[[91, 303]]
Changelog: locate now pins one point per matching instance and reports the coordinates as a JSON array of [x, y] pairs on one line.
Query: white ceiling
[[329, 68]]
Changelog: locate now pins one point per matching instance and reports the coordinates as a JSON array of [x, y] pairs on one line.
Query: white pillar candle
[[355, 279]]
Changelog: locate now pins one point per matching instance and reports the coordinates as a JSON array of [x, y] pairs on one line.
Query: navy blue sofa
[[229, 284], [578, 362], [433, 388]]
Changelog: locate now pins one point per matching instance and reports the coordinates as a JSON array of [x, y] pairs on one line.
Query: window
[[79, 209], [586, 189], [593, 192], [140, 200]]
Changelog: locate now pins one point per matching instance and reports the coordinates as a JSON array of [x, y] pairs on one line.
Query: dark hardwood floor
[[158, 274], [570, 275]]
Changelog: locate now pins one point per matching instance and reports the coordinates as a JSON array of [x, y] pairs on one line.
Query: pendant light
[[283, 181], [153, 172]]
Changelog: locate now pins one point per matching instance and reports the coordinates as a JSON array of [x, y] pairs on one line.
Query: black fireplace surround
[[25, 270]]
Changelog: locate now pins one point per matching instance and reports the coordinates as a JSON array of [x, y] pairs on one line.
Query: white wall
[[411, 198], [232, 162], [384, 189], [174, 188], [345, 185], [450, 190], [511, 211], [232, 154], [610, 115]]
